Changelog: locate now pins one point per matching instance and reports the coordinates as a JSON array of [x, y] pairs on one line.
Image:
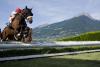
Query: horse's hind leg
[[4, 38]]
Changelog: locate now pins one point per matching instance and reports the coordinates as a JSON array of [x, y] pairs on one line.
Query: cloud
[[96, 15], [50, 11]]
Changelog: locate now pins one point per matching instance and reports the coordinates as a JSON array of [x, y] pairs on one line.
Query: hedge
[[45, 50], [89, 36]]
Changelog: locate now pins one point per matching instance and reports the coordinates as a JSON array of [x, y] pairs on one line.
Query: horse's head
[[28, 14]]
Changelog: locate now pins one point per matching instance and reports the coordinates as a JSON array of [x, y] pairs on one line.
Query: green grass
[[79, 60], [90, 36], [84, 56]]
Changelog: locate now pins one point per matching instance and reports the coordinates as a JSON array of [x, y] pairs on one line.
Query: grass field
[[79, 60]]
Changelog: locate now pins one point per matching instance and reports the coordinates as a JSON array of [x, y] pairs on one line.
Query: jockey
[[12, 16]]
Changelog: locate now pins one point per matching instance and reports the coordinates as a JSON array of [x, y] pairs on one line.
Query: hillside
[[70, 27], [91, 36]]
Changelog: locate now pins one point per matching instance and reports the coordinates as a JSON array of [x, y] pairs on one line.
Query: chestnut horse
[[18, 25]]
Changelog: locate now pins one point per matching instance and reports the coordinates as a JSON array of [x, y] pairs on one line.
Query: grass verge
[[79, 60]]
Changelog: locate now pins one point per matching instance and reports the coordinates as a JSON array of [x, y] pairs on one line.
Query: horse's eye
[[26, 13]]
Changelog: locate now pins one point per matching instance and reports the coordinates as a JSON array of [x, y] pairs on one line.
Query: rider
[[13, 13]]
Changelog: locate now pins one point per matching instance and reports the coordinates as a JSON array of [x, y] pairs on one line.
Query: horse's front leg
[[15, 34]]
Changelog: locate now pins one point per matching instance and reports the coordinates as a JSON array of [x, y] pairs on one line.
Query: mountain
[[71, 27]]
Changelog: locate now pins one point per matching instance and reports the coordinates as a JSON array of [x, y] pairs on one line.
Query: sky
[[49, 11]]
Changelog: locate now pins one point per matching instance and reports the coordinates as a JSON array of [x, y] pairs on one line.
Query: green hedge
[[45, 50], [90, 36]]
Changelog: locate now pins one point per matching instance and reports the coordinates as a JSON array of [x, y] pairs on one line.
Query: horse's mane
[[18, 15]]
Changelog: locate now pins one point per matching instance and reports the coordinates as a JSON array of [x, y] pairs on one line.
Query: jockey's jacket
[[13, 13]]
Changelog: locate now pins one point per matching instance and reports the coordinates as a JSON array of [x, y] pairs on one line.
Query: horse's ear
[[30, 8], [26, 7]]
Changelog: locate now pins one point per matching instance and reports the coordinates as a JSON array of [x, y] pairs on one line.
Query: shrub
[[45, 50], [90, 36]]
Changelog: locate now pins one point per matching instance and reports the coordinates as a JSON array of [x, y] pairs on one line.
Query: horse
[[17, 25], [19, 20]]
